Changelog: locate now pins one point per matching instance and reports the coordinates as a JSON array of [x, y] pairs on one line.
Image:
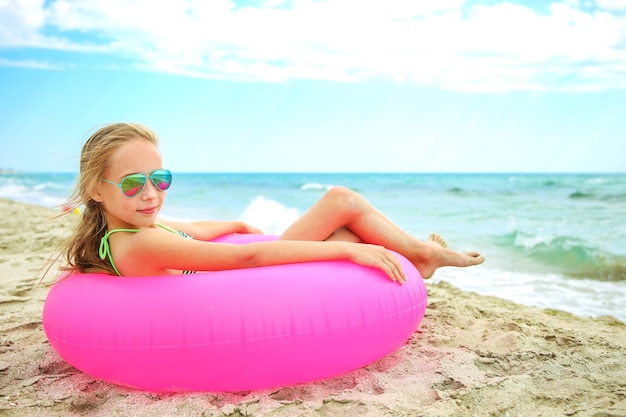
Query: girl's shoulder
[[145, 251], [131, 239], [155, 236]]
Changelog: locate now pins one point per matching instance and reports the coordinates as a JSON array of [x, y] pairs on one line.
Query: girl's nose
[[150, 191]]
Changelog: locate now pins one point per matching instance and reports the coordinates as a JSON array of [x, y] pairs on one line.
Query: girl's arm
[[154, 251], [208, 230]]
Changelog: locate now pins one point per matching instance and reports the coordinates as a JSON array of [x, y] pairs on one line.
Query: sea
[[555, 241]]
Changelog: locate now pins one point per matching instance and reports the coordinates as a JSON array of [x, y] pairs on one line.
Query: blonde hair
[[81, 252]]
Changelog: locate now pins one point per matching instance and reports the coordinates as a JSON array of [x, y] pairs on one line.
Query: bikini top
[[105, 250]]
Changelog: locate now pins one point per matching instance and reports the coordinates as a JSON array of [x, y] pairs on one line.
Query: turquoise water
[[555, 241]]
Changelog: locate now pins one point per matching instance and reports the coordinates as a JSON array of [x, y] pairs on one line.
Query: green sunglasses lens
[[133, 184], [162, 179]]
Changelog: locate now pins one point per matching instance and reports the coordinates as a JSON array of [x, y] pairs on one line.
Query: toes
[[476, 258], [438, 239]]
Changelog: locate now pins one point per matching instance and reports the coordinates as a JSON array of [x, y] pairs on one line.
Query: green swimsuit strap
[[105, 250], [164, 227]]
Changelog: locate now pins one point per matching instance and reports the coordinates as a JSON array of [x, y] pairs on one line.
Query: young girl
[[122, 186]]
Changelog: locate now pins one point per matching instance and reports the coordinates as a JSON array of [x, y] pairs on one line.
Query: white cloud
[[444, 42], [29, 64], [20, 21], [612, 4]]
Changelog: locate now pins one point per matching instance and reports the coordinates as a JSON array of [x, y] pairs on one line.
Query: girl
[[122, 186]]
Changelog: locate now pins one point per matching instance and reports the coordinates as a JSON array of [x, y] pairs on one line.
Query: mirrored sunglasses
[[132, 185]]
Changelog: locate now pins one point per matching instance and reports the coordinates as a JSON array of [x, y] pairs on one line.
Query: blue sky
[[320, 85]]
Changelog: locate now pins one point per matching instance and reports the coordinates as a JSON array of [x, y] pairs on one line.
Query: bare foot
[[439, 255]]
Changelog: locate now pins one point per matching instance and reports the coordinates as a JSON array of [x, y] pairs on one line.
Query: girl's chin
[[145, 220]]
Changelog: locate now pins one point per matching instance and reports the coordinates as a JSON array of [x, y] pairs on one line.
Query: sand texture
[[471, 356]]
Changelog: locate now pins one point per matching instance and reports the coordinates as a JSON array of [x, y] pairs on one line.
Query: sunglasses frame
[[145, 177]]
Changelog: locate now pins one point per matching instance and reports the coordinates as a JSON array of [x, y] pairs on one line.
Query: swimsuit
[[105, 251]]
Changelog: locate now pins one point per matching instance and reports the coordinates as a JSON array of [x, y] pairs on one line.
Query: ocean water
[[551, 240]]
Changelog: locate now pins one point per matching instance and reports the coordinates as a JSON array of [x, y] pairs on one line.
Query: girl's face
[[136, 156]]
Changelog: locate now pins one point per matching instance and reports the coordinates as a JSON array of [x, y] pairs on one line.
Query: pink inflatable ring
[[236, 330]]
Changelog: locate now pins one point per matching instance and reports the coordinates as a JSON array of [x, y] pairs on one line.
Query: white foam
[[531, 241], [268, 215], [583, 297], [316, 186], [18, 192]]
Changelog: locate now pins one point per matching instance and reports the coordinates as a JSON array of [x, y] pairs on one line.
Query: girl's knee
[[343, 198], [339, 194]]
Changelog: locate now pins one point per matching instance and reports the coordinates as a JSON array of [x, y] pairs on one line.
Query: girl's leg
[[342, 214]]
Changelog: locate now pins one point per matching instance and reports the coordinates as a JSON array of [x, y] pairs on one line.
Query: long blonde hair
[[81, 250]]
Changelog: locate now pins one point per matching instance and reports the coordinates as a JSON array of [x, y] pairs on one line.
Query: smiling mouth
[[148, 210]]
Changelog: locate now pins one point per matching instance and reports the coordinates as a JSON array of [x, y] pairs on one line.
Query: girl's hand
[[379, 257]]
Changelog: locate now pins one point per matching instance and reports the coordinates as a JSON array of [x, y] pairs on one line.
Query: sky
[[320, 85]]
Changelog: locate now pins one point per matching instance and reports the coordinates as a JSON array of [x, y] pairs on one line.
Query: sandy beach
[[471, 356]]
